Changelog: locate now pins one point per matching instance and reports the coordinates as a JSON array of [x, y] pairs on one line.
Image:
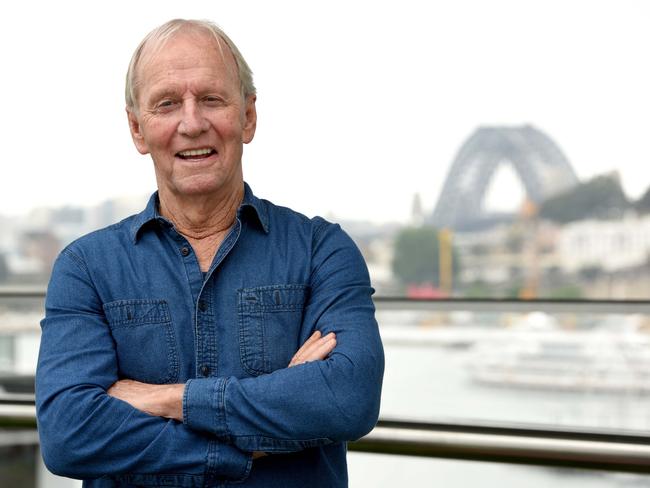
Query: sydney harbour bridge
[[540, 164]]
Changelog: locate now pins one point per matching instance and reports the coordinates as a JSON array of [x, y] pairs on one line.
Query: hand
[[158, 400], [314, 349]]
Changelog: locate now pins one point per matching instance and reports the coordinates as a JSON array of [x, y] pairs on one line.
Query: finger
[[316, 351], [313, 338], [308, 343], [316, 344], [321, 351]]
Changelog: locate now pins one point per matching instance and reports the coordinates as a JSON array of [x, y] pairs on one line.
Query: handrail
[[22, 292], [17, 416], [512, 445], [16, 398], [451, 304], [512, 305]]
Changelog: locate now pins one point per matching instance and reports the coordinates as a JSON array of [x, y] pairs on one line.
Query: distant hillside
[[599, 198]]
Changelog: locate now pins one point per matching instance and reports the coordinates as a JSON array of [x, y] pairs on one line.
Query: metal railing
[[511, 445], [452, 304], [512, 305], [22, 292], [14, 416]]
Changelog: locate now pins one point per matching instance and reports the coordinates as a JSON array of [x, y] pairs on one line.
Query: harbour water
[[429, 382]]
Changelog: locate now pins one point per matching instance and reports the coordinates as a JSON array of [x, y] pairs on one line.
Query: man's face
[[192, 118]]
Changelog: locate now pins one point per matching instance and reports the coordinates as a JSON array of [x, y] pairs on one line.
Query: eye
[[165, 105], [213, 100]]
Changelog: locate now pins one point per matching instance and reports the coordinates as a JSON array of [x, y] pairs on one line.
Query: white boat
[[597, 360]]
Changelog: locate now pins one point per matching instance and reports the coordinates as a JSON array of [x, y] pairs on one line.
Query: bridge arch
[[543, 168]]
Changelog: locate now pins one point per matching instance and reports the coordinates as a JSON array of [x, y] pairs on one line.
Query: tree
[[417, 256], [601, 197]]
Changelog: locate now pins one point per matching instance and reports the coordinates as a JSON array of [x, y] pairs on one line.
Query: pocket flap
[[129, 313], [273, 297]]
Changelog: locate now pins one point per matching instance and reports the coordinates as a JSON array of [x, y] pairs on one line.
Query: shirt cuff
[[227, 462], [204, 408]]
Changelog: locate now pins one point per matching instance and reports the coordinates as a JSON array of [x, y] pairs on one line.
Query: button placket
[[205, 327], [205, 334]]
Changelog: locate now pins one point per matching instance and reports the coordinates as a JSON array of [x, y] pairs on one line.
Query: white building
[[607, 244]]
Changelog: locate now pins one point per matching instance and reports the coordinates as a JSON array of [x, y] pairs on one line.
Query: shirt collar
[[259, 206], [150, 212]]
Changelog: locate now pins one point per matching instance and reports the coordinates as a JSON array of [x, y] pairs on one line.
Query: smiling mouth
[[195, 154]]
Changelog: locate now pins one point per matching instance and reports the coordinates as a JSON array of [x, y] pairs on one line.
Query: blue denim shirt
[[130, 301]]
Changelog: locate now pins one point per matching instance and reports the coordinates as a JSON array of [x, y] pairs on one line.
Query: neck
[[204, 216]]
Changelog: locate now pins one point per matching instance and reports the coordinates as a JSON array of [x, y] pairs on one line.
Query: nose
[[192, 123]]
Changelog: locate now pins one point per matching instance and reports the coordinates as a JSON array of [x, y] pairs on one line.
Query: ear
[[250, 119], [136, 132]]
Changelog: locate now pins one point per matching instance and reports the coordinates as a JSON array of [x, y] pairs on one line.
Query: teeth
[[195, 152]]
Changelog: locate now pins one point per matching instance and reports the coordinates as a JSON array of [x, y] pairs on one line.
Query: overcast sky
[[360, 103]]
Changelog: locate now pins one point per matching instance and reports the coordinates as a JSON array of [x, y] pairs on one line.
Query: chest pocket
[[270, 318], [146, 346]]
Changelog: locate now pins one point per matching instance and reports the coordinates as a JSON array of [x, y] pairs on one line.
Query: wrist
[[172, 401]]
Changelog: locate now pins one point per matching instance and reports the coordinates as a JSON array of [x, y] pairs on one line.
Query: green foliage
[[513, 291], [600, 197], [417, 256], [567, 292], [478, 289]]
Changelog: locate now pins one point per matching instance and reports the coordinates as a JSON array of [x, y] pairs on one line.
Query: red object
[[425, 290]]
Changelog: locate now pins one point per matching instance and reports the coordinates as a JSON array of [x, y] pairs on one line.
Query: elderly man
[[214, 337]]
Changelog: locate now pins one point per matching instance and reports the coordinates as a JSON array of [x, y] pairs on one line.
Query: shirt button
[[205, 370], [185, 251], [203, 306]]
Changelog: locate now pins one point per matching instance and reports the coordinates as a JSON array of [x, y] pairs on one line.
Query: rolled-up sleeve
[[316, 403], [84, 432]]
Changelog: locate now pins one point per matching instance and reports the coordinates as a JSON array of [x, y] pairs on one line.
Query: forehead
[[168, 61]]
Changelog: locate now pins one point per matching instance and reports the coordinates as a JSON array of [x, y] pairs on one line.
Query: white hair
[[160, 35]]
